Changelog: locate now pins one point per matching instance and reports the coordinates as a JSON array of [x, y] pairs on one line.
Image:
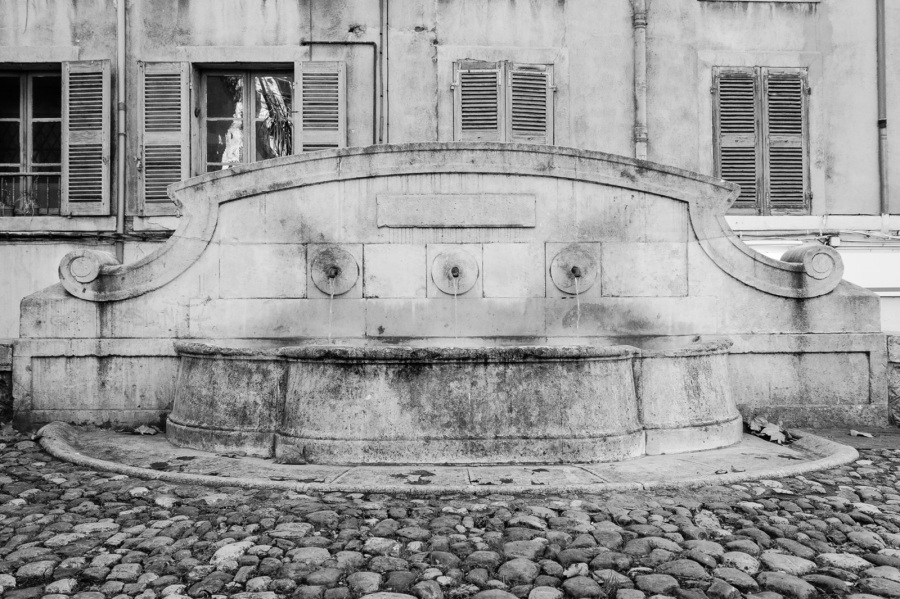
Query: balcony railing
[[30, 194]]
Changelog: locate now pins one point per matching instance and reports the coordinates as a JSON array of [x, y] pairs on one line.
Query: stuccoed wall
[[240, 271], [590, 44]]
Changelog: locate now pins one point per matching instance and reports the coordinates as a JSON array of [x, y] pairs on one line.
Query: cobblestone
[[69, 532]]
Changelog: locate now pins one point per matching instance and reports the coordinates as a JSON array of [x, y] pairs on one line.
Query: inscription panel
[[489, 210]]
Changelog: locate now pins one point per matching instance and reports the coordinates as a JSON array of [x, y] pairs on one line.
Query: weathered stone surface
[[582, 586], [787, 585], [790, 564], [656, 584], [843, 561], [518, 571]]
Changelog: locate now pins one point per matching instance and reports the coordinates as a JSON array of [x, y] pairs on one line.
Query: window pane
[[46, 142], [9, 142], [224, 96], [9, 97], [225, 141], [46, 94], [273, 116]]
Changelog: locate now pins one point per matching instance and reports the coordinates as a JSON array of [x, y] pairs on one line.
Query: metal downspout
[[883, 188], [120, 130], [639, 23]]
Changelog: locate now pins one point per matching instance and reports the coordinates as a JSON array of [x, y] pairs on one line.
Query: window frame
[[761, 76], [26, 119], [249, 115]]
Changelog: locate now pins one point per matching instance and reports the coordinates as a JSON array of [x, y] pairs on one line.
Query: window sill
[[824, 222], [28, 224], [769, 1]]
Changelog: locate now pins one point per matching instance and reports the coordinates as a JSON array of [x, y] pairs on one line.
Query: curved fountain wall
[[451, 251], [395, 404]]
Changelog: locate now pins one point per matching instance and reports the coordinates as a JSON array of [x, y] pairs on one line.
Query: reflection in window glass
[[262, 130], [225, 121], [273, 116]]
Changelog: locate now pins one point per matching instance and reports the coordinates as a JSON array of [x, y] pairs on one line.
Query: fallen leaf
[[758, 424], [854, 433], [775, 433], [145, 430]]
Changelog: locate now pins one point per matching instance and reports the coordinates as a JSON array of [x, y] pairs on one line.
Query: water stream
[[455, 294], [577, 306], [330, 307]]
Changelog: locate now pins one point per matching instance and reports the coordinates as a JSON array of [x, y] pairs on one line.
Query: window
[[247, 116], [30, 143], [503, 102], [761, 137]]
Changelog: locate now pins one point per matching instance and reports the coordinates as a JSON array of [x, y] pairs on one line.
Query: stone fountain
[[453, 303]]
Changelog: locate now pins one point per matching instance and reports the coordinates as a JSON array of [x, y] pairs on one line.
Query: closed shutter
[[320, 120], [86, 138], [785, 152], [164, 133], [737, 132], [530, 104], [478, 107]]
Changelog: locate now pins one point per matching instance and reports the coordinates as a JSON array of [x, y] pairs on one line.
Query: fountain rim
[[448, 354]]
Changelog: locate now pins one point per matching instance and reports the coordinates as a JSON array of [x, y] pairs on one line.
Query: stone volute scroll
[[574, 270], [454, 272], [82, 267], [334, 270], [819, 261]]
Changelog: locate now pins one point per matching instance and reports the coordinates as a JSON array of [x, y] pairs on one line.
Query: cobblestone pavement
[[66, 531]]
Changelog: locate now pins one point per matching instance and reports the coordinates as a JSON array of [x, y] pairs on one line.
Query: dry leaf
[[854, 433], [758, 424], [146, 430], [775, 433]]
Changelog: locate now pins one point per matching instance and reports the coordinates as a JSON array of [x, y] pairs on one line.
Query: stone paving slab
[[151, 456]]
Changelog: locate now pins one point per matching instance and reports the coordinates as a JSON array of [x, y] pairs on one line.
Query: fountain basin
[[430, 405]]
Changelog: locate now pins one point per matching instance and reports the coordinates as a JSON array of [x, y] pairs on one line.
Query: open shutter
[[86, 138], [786, 153], [164, 133], [320, 121], [478, 109], [737, 132], [530, 104]]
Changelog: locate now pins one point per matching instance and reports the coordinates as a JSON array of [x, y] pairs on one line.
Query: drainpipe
[[386, 71], [882, 114], [639, 23], [381, 21], [120, 130]]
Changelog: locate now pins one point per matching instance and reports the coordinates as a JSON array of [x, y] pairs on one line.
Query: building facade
[[101, 108]]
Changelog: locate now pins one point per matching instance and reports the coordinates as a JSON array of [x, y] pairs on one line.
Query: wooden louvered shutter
[[164, 133], [478, 107], [86, 138], [785, 150], [320, 120], [737, 132], [530, 104]]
